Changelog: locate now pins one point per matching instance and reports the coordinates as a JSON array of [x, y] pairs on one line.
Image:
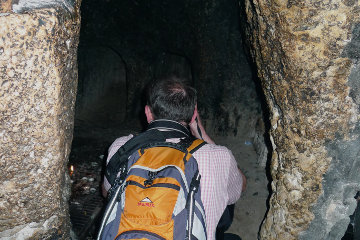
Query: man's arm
[[104, 190], [197, 129], [236, 180], [112, 150], [243, 180]]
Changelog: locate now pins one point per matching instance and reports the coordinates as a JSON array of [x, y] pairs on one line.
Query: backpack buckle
[[150, 180], [195, 182], [117, 182]]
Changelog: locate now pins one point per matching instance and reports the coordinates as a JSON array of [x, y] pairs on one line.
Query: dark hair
[[171, 98]]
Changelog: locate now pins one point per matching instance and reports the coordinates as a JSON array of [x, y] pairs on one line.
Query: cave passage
[[307, 68], [125, 44]]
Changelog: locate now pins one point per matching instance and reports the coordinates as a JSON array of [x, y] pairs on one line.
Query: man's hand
[[244, 180], [197, 129]]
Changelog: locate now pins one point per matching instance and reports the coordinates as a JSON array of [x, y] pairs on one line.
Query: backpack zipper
[[161, 168], [165, 185], [143, 232]]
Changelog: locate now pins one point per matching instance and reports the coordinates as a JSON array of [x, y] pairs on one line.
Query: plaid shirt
[[221, 181]]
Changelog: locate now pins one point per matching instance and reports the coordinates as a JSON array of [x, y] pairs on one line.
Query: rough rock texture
[[38, 78], [307, 56], [200, 37], [223, 76]]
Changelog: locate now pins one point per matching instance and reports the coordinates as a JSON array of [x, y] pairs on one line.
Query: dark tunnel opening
[[297, 122], [123, 45]]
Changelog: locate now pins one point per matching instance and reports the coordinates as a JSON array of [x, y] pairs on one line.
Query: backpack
[[155, 191]]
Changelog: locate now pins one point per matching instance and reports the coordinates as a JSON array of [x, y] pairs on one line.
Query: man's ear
[[148, 113]]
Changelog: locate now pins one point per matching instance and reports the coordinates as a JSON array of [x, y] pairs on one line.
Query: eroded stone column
[[307, 53], [38, 79]]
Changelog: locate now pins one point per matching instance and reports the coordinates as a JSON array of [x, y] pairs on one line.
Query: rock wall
[[307, 54], [38, 79], [223, 77], [152, 36], [102, 88]]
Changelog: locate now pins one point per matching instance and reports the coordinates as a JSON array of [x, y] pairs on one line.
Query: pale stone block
[[38, 79]]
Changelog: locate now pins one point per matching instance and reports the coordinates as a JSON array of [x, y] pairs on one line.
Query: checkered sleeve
[[235, 181], [112, 150], [221, 182]]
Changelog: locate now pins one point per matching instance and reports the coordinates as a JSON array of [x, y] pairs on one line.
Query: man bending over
[[221, 184]]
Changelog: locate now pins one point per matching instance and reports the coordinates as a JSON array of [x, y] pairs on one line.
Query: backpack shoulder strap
[[196, 144], [156, 134], [120, 158]]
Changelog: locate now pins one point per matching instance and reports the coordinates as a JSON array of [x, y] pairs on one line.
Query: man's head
[[170, 98]]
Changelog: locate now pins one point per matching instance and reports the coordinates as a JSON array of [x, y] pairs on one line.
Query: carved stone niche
[[307, 54], [38, 79]]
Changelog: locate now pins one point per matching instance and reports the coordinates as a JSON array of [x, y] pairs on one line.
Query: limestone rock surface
[[307, 61], [38, 79]]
